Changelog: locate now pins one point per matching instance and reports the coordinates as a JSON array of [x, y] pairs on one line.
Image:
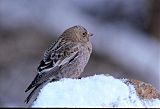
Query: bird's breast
[[76, 67]]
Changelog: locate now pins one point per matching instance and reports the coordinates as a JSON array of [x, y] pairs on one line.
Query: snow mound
[[94, 91]]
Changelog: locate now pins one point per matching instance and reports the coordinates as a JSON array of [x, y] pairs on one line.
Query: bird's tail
[[37, 88]]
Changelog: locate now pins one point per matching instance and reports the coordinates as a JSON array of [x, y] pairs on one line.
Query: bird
[[66, 57]]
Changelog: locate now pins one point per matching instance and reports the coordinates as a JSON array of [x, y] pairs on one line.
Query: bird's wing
[[54, 58], [58, 54]]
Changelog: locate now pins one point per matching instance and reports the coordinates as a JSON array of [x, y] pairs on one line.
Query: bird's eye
[[84, 33]]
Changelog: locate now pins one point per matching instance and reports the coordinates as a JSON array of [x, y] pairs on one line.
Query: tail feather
[[32, 84], [32, 93], [40, 78]]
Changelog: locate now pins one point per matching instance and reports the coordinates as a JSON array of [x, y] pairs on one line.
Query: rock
[[144, 90]]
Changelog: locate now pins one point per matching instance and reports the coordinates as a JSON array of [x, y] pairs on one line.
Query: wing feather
[[57, 55], [54, 59]]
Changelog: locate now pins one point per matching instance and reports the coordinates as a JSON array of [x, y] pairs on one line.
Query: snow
[[93, 91]]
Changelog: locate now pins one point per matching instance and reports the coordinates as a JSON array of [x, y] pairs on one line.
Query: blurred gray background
[[126, 41]]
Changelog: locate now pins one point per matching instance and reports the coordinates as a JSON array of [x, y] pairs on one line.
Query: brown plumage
[[65, 58]]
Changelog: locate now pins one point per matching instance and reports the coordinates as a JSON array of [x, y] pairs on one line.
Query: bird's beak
[[90, 34]]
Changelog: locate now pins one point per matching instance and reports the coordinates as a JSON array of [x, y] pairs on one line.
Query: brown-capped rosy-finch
[[65, 58]]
